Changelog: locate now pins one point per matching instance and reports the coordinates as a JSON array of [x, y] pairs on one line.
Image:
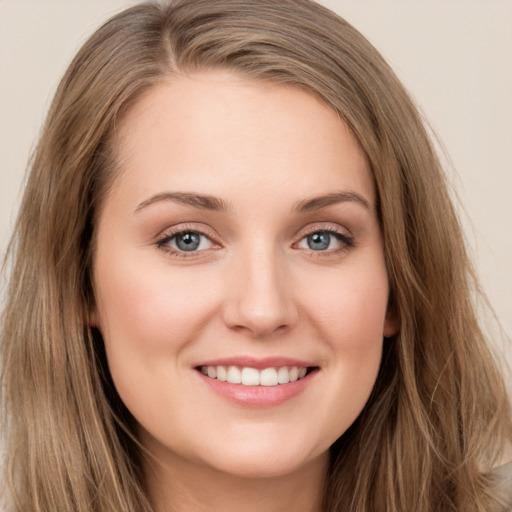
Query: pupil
[[188, 241], [319, 241]]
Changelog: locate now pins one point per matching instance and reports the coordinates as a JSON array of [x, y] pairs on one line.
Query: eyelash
[[169, 235], [347, 241]]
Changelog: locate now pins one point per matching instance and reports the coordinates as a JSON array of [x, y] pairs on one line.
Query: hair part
[[439, 415]]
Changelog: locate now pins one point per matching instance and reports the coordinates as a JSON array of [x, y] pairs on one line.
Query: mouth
[[257, 382], [250, 376]]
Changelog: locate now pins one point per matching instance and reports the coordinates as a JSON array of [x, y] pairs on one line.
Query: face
[[240, 282]]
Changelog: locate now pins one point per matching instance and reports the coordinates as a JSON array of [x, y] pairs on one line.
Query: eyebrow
[[204, 202], [316, 203], [207, 202]]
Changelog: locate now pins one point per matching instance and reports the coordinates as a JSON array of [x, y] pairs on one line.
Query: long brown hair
[[439, 416]]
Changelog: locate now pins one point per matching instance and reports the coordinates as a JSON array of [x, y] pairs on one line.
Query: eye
[[325, 240], [186, 242]]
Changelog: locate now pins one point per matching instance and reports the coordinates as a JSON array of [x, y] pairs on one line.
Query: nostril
[[259, 304]]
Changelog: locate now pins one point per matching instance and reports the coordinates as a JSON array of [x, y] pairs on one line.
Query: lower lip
[[258, 396]]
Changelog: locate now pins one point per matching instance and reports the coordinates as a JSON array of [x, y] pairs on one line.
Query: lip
[[257, 396]]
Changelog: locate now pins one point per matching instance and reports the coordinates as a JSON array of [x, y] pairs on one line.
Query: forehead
[[215, 131]]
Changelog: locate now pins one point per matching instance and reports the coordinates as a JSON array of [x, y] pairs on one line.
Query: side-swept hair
[[439, 415]]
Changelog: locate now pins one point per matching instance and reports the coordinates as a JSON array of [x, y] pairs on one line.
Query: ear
[[93, 316], [391, 322]]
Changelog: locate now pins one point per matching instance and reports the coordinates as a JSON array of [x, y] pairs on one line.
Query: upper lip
[[258, 363]]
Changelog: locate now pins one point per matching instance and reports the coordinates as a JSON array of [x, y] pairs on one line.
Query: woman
[[238, 281]]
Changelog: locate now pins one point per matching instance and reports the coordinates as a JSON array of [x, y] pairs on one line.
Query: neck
[[187, 487]]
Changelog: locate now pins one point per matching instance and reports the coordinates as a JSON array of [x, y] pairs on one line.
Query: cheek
[[348, 309], [148, 315], [348, 306]]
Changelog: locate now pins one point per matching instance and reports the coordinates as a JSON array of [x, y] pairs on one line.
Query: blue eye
[[186, 241], [319, 241], [323, 240]]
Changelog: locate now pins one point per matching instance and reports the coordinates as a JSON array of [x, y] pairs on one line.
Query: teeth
[[283, 375], [268, 377], [222, 374], [234, 375], [248, 376]]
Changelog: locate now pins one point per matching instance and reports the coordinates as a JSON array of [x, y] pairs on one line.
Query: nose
[[260, 295]]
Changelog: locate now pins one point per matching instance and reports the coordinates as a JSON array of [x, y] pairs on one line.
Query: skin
[[254, 287]]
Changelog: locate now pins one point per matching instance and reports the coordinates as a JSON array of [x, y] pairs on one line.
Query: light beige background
[[453, 55]]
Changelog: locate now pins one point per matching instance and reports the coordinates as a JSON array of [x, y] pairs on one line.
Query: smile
[[257, 382], [248, 376]]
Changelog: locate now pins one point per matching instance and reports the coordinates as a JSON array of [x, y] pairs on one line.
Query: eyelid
[[343, 234], [328, 227], [173, 231]]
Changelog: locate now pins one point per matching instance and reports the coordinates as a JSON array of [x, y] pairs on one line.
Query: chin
[[263, 460]]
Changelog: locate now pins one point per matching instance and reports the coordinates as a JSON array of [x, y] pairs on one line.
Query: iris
[[188, 241], [319, 241]]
